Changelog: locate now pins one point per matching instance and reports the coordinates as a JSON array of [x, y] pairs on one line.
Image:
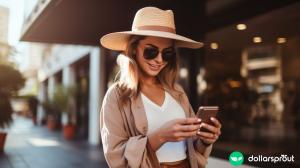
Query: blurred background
[[54, 74]]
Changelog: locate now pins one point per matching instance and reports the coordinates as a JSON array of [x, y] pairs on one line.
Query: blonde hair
[[128, 76]]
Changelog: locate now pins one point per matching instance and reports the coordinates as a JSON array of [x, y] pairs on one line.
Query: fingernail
[[199, 120], [212, 118]]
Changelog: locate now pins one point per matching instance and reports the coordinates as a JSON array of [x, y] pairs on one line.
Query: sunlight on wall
[[43, 142]]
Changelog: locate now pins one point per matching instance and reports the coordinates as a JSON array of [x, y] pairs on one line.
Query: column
[[68, 79], [51, 87], [41, 97], [96, 93]]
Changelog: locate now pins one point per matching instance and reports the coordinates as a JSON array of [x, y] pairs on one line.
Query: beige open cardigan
[[124, 132]]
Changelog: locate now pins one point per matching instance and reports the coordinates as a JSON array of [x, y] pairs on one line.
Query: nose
[[159, 58]]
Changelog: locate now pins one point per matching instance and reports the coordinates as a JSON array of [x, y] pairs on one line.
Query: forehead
[[157, 41]]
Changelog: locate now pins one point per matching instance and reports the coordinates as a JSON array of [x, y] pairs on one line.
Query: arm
[[155, 140], [120, 150], [174, 131]]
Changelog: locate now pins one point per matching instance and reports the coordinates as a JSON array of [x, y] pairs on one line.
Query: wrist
[[155, 140], [160, 138]]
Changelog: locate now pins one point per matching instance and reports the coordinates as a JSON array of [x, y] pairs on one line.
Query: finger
[[206, 134], [211, 128], [187, 121], [208, 141], [216, 122], [177, 139], [189, 128], [187, 134]]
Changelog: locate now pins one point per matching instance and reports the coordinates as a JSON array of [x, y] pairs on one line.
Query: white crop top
[[159, 115]]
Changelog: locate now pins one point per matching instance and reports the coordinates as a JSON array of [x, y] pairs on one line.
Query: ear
[[134, 51]]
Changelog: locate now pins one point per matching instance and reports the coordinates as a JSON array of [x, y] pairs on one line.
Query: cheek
[[141, 61], [164, 66]]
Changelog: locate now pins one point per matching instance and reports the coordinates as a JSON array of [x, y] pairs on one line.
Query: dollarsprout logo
[[236, 158]]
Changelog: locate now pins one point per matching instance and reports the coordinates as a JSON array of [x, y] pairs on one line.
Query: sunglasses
[[151, 52]]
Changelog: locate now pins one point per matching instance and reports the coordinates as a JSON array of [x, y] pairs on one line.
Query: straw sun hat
[[149, 21]]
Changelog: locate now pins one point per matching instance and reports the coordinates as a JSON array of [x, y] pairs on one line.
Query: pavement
[[29, 146]]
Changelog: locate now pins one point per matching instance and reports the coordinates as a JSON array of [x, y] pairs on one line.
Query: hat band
[[157, 28]]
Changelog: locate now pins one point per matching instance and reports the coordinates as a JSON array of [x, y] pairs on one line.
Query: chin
[[151, 73]]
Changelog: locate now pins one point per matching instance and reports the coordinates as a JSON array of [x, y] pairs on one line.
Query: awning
[[85, 21]]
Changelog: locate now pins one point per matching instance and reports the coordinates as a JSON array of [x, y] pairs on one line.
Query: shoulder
[[178, 87], [176, 90], [181, 92], [112, 93]]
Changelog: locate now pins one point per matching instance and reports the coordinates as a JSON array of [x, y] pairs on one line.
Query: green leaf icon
[[236, 158]]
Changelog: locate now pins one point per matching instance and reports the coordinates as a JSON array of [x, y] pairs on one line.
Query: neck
[[148, 80]]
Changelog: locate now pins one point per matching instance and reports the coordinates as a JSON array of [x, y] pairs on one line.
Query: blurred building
[[4, 52], [78, 66], [4, 13], [249, 65], [32, 62], [49, 65]]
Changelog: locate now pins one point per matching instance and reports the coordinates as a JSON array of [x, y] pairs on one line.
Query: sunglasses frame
[[163, 52]]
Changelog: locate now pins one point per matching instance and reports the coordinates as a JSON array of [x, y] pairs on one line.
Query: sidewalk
[[214, 162], [31, 146]]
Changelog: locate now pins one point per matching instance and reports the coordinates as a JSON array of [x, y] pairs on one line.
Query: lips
[[154, 67]]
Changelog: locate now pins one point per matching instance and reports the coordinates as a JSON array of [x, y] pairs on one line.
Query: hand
[[173, 131], [212, 136], [179, 129]]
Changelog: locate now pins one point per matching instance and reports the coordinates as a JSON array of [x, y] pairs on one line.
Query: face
[[153, 54]]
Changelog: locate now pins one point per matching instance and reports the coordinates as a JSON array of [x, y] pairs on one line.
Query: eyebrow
[[152, 45], [157, 47]]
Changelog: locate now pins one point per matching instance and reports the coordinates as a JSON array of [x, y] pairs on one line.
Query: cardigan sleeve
[[120, 150]]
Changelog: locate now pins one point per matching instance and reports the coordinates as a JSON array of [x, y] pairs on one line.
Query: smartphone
[[205, 113]]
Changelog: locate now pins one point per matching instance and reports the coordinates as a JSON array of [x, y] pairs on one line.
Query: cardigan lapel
[[139, 114]]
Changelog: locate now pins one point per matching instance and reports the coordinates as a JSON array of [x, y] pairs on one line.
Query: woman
[[146, 119]]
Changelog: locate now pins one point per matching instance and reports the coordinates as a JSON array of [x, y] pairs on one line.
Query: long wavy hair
[[128, 77]]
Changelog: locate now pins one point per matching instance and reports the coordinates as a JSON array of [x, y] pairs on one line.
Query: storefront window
[[252, 73]]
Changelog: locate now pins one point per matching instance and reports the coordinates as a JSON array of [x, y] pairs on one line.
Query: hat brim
[[118, 40]]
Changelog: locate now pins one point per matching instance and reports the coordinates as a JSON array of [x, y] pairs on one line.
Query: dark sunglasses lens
[[150, 53], [168, 55]]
